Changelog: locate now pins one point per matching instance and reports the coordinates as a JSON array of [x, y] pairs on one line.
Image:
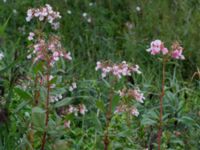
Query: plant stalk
[[47, 108], [159, 135]]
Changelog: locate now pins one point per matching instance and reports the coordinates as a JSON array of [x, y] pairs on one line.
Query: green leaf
[[187, 120], [63, 102], [100, 105], [61, 144], [38, 117], [115, 102], [23, 94], [20, 106], [38, 67]]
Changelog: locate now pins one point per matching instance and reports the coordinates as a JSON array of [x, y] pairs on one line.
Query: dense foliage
[[53, 97]]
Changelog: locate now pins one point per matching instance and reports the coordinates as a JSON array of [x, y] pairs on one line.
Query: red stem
[[47, 108], [108, 119], [159, 135]]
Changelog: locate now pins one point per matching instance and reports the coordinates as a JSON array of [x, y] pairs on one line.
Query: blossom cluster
[[177, 51], [45, 13], [132, 93], [55, 98], [125, 108], [157, 47], [118, 70], [72, 87], [75, 110], [49, 50]]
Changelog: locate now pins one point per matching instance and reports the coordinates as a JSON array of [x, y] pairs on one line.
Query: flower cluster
[[132, 93], [118, 70], [56, 98], [44, 14], [158, 47], [125, 108], [75, 110], [177, 51], [50, 51], [87, 17], [72, 87]]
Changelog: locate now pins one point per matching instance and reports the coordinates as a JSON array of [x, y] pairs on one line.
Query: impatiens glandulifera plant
[[157, 47], [113, 73], [46, 51]]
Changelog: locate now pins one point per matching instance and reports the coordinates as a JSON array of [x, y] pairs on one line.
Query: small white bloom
[[138, 8], [50, 77], [1, 55], [29, 56], [84, 14], [27, 114], [14, 11], [91, 4], [69, 12], [31, 35], [89, 20], [71, 88], [74, 85]]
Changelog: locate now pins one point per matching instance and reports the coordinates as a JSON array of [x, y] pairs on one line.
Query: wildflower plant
[[112, 74], [157, 47], [49, 89]]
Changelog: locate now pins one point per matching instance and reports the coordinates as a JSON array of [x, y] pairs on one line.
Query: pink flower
[[164, 51], [157, 46], [138, 95], [82, 109], [177, 54], [177, 51], [67, 124], [68, 56], [136, 69], [44, 13], [56, 56], [122, 93], [134, 111]]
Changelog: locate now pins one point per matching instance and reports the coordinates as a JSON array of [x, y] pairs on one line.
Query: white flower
[[91, 4], [84, 14], [69, 12], [31, 35], [27, 114], [29, 56], [89, 20], [1, 55], [14, 11], [74, 85], [50, 77], [71, 89], [138, 8]]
